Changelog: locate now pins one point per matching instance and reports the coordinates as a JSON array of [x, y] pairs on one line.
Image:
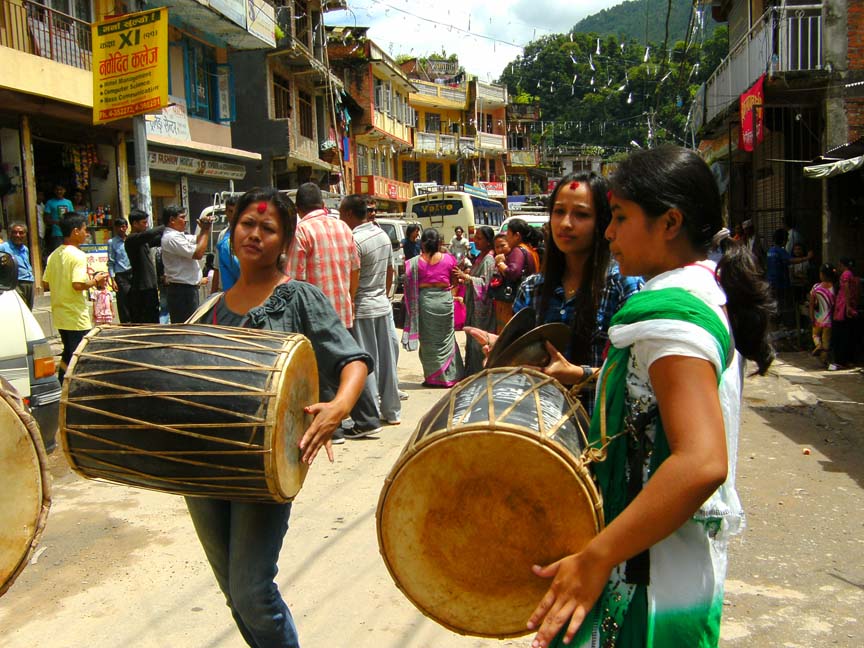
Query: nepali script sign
[[130, 65]]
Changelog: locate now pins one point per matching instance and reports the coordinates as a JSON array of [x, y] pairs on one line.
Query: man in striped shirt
[[324, 254], [373, 328]]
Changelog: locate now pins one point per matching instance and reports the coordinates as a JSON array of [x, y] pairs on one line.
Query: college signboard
[[130, 65]]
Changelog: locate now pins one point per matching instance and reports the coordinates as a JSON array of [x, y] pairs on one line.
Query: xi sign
[[130, 65]]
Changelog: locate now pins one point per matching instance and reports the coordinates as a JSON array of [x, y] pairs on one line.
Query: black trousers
[[182, 301], [124, 286], [144, 306], [71, 340]]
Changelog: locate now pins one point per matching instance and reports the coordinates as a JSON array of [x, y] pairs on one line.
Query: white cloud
[[398, 26]]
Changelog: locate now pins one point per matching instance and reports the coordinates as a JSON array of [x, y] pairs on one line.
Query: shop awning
[[202, 147], [837, 161]]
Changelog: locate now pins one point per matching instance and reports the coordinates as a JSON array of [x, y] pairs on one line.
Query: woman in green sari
[[671, 386]]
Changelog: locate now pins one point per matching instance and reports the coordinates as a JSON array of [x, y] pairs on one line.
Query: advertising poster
[[130, 65]]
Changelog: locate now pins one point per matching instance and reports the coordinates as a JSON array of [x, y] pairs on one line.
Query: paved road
[[120, 567]]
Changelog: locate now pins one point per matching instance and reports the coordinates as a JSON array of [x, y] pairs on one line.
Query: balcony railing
[[491, 142], [35, 29], [785, 39], [492, 93], [434, 143], [442, 92]]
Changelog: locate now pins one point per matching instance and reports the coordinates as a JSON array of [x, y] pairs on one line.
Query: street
[[123, 567]]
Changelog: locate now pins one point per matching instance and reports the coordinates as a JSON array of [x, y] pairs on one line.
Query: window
[[410, 171], [383, 96], [435, 172], [303, 23], [362, 160], [304, 107], [433, 123], [200, 60], [281, 97]]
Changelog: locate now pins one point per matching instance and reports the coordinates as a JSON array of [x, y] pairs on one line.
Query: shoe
[[402, 395], [338, 437], [354, 433], [393, 422], [833, 367]]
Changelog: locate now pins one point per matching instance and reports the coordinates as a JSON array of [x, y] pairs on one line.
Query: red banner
[[752, 101]]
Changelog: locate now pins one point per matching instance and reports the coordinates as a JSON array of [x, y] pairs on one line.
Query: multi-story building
[[191, 152], [47, 136], [487, 123], [289, 103], [523, 176], [809, 57], [383, 128]]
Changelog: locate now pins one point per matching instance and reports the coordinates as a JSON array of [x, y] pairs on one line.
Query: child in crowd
[[102, 312], [821, 309]]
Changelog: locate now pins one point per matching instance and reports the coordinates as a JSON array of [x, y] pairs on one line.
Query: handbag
[[503, 289]]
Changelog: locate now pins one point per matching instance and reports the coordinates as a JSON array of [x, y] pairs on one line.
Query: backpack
[[504, 290]]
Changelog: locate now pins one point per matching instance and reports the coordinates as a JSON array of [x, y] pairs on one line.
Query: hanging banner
[[751, 109], [130, 65]]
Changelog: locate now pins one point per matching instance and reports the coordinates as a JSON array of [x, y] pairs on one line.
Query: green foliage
[[632, 18], [625, 97]]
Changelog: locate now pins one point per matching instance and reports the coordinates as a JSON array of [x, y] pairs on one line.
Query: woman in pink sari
[[428, 303]]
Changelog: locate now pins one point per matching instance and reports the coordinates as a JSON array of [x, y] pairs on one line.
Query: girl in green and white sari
[[671, 390]]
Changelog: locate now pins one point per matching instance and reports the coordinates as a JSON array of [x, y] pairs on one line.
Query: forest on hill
[[602, 93], [644, 20]]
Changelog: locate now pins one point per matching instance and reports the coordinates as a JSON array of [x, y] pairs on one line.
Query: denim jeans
[[242, 542]]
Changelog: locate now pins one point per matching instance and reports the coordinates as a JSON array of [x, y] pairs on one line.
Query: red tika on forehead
[[262, 207], [609, 196], [574, 186]]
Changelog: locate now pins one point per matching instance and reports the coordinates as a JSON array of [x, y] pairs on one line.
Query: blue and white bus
[[445, 210]]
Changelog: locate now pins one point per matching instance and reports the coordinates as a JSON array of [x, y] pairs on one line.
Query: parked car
[[534, 219], [26, 357]]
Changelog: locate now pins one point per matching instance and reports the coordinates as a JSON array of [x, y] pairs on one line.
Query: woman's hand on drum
[[326, 418], [560, 368], [577, 582], [485, 339]]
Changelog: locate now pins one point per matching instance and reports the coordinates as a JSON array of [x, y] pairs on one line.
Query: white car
[[26, 357], [534, 219]]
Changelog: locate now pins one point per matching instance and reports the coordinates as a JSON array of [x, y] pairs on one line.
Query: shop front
[[391, 195]]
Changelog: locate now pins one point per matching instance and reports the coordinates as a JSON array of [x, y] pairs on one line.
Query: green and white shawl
[[682, 604]]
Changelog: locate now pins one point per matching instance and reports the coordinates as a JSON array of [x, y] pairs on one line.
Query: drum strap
[[638, 569]]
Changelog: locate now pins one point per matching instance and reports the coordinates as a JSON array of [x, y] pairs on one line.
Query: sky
[[459, 26]]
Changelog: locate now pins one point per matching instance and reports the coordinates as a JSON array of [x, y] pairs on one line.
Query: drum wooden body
[[25, 486], [190, 409], [490, 483]]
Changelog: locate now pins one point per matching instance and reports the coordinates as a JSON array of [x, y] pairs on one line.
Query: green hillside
[[629, 19]]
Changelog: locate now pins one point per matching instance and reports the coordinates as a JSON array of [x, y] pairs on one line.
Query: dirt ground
[[121, 567]]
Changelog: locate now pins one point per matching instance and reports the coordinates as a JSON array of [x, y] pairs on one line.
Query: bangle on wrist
[[587, 371]]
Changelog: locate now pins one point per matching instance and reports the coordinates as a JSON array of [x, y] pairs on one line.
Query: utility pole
[[142, 166]]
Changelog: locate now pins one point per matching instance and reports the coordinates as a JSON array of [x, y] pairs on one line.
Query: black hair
[[231, 200], [779, 237], [71, 221], [829, 271], [413, 227], [848, 263], [120, 221], [284, 207], [209, 263], [430, 240], [356, 204], [487, 233], [523, 229], [309, 197], [671, 177], [459, 228], [170, 212], [137, 215], [593, 275]]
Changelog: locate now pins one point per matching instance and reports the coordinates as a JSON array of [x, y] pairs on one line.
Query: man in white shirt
[[180, 255]]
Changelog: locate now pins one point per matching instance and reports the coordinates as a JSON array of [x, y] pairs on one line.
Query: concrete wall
[[43, 77]]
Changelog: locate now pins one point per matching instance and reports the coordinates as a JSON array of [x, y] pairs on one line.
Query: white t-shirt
[[177, 251]]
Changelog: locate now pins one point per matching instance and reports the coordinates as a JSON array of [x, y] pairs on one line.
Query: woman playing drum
[[242, 540], [671, 386]]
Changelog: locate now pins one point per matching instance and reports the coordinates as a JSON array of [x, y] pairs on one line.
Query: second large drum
[[190, 409]]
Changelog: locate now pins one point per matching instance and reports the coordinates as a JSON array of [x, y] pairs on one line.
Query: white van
[[536, 220], [26, 358]]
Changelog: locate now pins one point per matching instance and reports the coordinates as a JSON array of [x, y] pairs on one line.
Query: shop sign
[[172, 122], [494, 189], [523, 158], [233, 10], [751, 116], [195, 166], [422, 188], [130, 66], [261, 21], [471, 190]]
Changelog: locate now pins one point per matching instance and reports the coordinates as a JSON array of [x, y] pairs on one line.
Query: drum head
[[464, 518], [24, 482], [298, 389]]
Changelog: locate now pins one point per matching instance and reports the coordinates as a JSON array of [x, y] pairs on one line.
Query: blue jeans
[[242, 542]]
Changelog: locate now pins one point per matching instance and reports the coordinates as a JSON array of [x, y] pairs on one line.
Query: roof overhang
[[837, 161], [240, 25]]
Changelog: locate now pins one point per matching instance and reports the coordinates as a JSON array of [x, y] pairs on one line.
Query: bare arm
[[389, 277], [355, 281], [203, 237], [328, 416], [686, 391]]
